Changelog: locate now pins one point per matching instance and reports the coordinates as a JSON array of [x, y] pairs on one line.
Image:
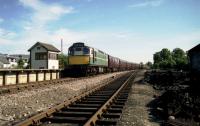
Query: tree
[[141, 65], [165, 54], [149, 64], [157, 57], [63, 61], [180, 57], [20, 63], [165, 59]]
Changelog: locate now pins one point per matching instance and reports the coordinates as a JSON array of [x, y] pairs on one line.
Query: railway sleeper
[[86, 105], [97, 97], [106, 93], [117, 106], [73, 114], [111, 115], [114, 110], [58, 119], [119, 103], [90, 102], [106, 122], [80, 109]]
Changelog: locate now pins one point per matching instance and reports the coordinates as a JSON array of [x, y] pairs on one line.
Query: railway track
[[27, 86], [99, 106]]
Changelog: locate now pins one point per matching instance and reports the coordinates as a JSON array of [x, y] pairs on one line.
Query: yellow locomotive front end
[[79, 60], [79, 54]]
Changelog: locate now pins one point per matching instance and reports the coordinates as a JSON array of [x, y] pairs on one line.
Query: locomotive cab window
[[86, 50], [71, 51], [78, 49]]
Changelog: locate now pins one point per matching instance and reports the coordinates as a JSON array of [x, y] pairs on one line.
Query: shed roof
[[4, 60], [195, 49], [49, 47]]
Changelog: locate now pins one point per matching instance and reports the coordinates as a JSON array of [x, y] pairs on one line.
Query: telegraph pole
[[61, 45]]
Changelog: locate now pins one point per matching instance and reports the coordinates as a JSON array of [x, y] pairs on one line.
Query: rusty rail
[[98, 114], [47, 113]]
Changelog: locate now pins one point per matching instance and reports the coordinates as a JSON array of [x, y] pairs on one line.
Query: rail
[[91, 104]]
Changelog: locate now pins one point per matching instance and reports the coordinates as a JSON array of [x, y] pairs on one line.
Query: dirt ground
[[137, 111]]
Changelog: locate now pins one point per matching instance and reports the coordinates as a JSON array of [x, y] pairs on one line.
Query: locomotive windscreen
[[78, 44]]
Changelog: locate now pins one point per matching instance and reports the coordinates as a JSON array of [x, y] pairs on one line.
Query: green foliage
[[165, 59], [149, 64], [63, 61], [180, 57], [141, 65], [20, 63], [157, 57]]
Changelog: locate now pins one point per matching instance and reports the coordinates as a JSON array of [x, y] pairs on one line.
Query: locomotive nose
[[78, 60]]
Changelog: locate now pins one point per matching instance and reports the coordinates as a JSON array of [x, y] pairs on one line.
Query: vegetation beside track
[[179, 101]]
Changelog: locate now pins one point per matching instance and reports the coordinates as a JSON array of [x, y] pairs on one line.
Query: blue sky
[[129, 29]]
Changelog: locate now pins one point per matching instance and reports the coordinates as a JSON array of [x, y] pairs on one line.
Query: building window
[[38, 48], [53, 56], [41, 56]]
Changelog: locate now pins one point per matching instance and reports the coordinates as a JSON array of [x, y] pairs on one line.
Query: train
[[85, 60]]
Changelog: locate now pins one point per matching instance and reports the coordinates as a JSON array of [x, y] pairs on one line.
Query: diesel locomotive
[[86, 60]]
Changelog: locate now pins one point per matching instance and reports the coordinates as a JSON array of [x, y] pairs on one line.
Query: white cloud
[[1, 20], [7, 34], [126, 45], [153, 3], [43, 13]]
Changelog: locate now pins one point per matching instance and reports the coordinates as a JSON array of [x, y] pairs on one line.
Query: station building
[[44, 56]]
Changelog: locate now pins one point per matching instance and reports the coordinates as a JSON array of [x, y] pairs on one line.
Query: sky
[[132, 30]]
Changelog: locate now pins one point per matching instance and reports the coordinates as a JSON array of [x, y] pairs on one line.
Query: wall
[[53, 63], [195, 62], [36, 64], [14, 76]]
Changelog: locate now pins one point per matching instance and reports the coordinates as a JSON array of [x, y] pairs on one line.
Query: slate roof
[[195, 49], [4, 60], [49, 47]]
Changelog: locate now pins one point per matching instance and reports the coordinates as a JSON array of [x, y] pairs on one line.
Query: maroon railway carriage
[[122, 65], [113, 63]]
